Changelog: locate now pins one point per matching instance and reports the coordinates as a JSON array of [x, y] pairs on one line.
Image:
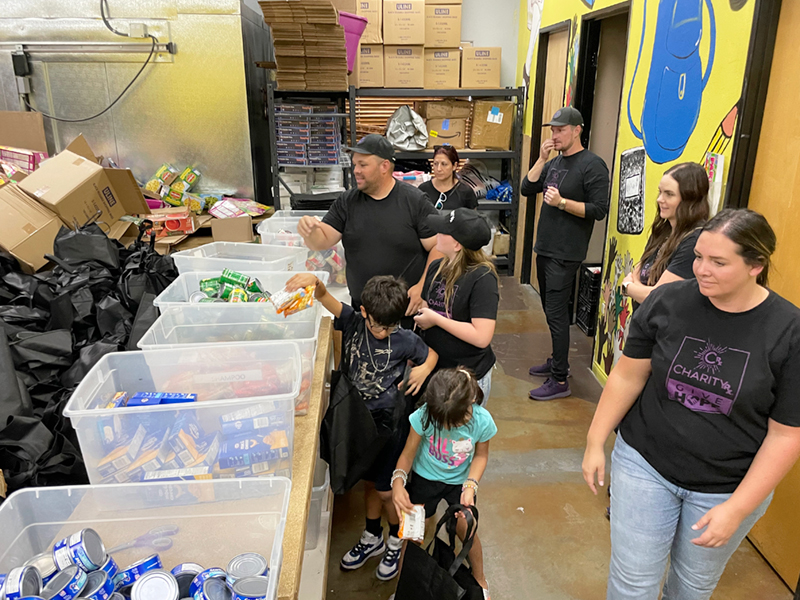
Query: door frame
[[536, 139]]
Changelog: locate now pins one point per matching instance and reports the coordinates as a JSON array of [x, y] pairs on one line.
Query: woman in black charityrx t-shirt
[[706, 399]]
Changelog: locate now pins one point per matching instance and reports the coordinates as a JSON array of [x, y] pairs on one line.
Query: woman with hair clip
[[705, 398], [669, 254], [461, 292], [445, 190]]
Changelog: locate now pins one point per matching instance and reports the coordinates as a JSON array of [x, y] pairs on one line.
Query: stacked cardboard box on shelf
[[446, 122], [480, 68], [309, 45]]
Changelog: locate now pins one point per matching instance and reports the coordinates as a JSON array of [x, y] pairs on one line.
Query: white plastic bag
[[406, 130]]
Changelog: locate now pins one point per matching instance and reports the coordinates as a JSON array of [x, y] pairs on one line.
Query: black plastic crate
[[588, 298]]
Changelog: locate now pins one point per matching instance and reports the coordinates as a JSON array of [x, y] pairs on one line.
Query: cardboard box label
[[495, 116]]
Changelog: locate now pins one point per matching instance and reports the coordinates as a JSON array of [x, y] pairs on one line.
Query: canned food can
[[87, 550], [215, 589], [98, 586], [22, 581], [111, 568], [67, 584], [225, 290], [210, 300], [251, 588], [196, 589], [133, 572], [255, 286], [209, 281], [256, 297], [196, 297], [61, 554], [234, 278], [117, 596], [44, 564], [184, 574], [249, 564], [238, 295], [156, 585]]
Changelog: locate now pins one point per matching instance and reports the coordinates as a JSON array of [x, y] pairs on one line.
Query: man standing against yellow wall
[[575, 185]]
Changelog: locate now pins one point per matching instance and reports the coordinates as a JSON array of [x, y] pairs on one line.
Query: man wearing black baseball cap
[[575, 185], [381, 224]]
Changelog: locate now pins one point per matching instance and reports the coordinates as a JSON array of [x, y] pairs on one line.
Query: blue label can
[[61, 554], [184, 574], [251, 588], [98, 586], [67, 584], [111, 568], [45, 565], [196, 589], [22, 581], [87, 550], [136, 570]]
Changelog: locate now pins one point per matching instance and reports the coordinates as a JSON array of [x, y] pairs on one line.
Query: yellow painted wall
[[719, 97]]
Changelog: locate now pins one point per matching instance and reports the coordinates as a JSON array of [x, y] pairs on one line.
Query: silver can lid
[[197, 296], [252, 586], [215, 589], [44, 563], [30, 581], [60, 581], [93, 546], [249, 564], [95, 581], [155, 585]]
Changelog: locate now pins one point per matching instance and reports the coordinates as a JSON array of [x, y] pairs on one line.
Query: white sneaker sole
[[377, 552], [383, 578]]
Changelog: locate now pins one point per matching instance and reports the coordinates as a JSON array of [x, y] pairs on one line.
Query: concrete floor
[[544, 534]]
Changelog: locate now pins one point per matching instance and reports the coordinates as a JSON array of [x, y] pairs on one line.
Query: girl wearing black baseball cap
[[461, 292]]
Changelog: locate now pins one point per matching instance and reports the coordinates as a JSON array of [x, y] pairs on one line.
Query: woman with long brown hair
[[445, 190], [682, 211], [461, 292]]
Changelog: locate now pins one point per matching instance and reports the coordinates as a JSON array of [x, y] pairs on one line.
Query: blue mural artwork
[[676, 80]]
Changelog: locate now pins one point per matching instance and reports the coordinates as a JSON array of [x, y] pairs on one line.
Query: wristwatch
[[563, 204]]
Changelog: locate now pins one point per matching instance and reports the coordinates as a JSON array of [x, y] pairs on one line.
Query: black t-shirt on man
[[582, 177], [475, 297], [382, 237], [717, 378], [458, 196]]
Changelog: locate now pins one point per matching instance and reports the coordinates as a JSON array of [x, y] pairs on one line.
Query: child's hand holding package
[[288, 303], [412, 525]]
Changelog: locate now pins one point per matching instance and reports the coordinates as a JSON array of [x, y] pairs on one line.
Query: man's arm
[[316, 234], [533, 184], [415, 291]]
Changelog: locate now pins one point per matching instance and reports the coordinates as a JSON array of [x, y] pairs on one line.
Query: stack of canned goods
[[79, 568], [231, 286]]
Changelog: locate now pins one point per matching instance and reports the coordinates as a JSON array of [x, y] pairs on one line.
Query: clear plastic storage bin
[[319, 502], [215, 521], [296, 214], [212, 325], [179, 291], [240, 257], [243, 391]]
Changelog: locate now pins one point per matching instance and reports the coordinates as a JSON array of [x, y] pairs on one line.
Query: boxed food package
[[404, 22], [172, 221], [370, 66], [372, 10], [22, 139], [447, 131], [445, 109], [442, 68], [480, 67], [403, 67], [492, 122], [442, 26], [27, 229]]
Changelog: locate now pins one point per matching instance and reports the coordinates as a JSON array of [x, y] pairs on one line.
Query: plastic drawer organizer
[[241, 425], [215, 520], [240, 257]]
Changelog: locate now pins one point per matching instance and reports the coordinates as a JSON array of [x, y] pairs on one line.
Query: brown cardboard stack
[[442, 41], [446, 122], [404, 39], [480, 68], [309, 44]]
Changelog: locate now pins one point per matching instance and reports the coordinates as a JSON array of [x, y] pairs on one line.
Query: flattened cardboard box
[[442, 69], [404, 22], [370, 66], [480, 68], [403, 67], [372, 10], [442, 26], [447, 131], [445, 109], [27, 229]]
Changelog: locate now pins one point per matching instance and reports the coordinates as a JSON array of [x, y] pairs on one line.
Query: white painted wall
[[493, 23]]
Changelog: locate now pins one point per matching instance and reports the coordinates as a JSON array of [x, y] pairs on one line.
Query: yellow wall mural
[[684, 68]]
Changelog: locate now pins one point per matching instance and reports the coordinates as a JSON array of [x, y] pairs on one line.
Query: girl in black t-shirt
[[705, 397], [669, 254], [445, 190], [461, 295]]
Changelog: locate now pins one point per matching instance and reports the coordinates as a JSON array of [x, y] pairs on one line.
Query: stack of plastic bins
[[182, 324], [319, 502], [240, 257], [244, 391], [213, 521]]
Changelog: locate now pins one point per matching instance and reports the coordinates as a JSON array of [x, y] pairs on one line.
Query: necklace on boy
[[372, 360]]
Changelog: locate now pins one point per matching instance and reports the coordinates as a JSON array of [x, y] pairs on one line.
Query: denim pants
[[651, 523], [556, 285], [485, 383]]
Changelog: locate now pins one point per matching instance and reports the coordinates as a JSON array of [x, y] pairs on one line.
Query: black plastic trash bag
[[14, 398], [89, 243], [145, 317], [87, 358]]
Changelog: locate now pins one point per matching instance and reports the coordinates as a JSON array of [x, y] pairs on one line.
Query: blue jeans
[[485, 383], [651, 523]]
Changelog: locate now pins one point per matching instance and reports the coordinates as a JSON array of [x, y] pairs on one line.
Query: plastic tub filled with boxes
[[216, 412], [241, 256], [164, 540], [282, 231]]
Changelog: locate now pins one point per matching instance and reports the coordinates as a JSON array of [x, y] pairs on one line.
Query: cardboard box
[[449, 2], [238, 229], [403, 67], [480, 68], [404, 22], [445, 109], [22, 140], [447, 131], [348, 6], [74, 186], [372, 10], [492, 121], [442, 68], [27, 229], [370, 66], [442, 26]]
